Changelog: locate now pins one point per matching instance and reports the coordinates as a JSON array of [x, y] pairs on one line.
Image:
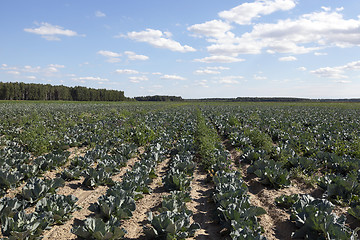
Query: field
[[71, 170]]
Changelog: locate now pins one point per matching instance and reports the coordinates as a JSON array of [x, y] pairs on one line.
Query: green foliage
[[116, 203], [205, 140], [355, 211], [175, 201], [22, 226], [10, 206], [342, 190], [234, 208], [176, 180], [271, 173], [171, 225], [316, 220], [259, 139], [96, 228], [9, 179], [58, 207], [36, 188], [96, 177], [286, 201], [32, 91]]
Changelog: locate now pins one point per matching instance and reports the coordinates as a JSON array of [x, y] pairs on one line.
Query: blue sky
[[193, 49]]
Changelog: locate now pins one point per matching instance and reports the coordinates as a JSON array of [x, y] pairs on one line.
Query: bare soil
[[276, 223], [86, 197], [11, 193], [134, 225], [204, 208]]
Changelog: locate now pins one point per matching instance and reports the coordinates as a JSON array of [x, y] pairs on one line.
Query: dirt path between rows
[[134, 225], [203, 207], [276, 222], [85, 198], [50, 174]]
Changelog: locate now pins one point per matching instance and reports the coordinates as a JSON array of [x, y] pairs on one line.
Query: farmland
[[131, 170]]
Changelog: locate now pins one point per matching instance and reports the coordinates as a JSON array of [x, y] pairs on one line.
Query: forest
[[32, 91]]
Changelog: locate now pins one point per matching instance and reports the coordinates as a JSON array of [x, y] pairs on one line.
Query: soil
[[50, 174], [86, 197], [134, 225], [203, 207], [276, 223]]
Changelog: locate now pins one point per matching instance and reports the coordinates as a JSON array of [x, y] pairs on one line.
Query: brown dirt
[[203, 207], [134, 225], [276, 223], [85, 197], [11, 193]]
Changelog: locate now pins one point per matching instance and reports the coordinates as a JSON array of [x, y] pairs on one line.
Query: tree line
[[33, 91], [158, 98], [272, 99]]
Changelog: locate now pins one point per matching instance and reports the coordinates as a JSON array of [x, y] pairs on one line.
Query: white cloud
[[210, 70], [219, 59], [326, 9], [50, 70], [301, 68], [100, 14], [337, 72], [133, 56], [352, 66], [126, 71], [320, 54], [57, 65], [137, 79], [202, 83], [214, 28], [47, 71], [318, 28], [31, 77], [51, 32], [112, 57], [156, 73], [342, 81], [218, 68], [307, 33], [14, 72], [230, 79], [246, 12], [258, 77], [108, 54], [113, 60], [328, 72], [86, 79], [287, 59], [172, 77], [31, 69], [159, 39], [206, 71]]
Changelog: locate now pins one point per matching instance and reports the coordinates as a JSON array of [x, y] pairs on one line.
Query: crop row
[[231, 193], [276, 151]]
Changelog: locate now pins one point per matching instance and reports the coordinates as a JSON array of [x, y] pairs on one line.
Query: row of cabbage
[[51, 208], [109, 133], [174, 218], [281, 143], [231, 193], [119, 202], [45, 127], [120, 199]]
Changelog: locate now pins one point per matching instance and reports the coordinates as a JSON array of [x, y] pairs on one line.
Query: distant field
[[179, 170]]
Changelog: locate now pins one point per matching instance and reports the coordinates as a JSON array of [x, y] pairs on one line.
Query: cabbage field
[[179, 170]]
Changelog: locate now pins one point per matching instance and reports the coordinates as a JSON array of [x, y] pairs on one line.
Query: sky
[[193, 49]]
